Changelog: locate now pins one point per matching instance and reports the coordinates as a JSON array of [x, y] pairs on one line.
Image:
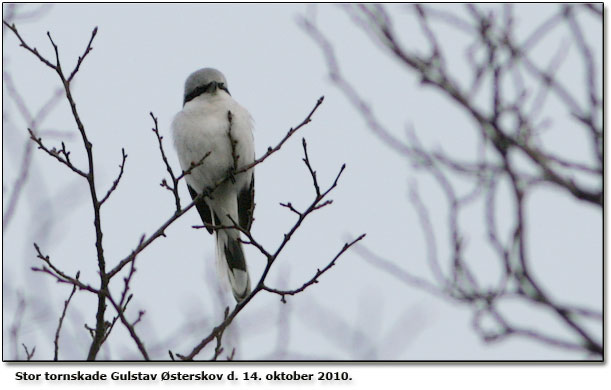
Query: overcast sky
[[141, 58]]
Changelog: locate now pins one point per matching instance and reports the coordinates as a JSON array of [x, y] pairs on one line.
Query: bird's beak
[[213, 86]]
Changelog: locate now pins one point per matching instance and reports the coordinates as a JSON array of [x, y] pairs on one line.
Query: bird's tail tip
[[240, 293], [231, 258]]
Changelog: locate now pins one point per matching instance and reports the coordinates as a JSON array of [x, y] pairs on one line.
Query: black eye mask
[[203, 89]]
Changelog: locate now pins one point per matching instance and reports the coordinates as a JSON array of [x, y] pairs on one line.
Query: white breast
[[202, 126]]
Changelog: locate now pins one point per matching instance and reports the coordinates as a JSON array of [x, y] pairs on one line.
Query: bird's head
[[206, 80]]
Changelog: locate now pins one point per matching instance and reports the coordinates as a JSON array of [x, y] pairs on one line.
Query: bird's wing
[[246, 205], [203, 209]]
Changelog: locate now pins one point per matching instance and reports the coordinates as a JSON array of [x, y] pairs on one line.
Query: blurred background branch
[[504, 100]]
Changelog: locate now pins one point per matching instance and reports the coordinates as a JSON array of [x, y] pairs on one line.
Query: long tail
[[231, 262]]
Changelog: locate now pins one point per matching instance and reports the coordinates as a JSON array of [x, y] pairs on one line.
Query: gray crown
[[203, 77]]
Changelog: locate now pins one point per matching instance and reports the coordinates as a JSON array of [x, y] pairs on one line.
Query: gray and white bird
[[203, 126]]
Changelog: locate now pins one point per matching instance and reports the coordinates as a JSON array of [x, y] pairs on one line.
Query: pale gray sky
[[142, 55]]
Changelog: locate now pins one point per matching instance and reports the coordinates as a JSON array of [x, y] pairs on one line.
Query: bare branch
[[82, 58], [116, 182], [130, 326], [174, 187], [288, 135], [319, 272], [61, 319], [234, 155], [289, 206], [28, 355], [62, 277], [26, 46], [306, 160], [57, 154], [318, 202]]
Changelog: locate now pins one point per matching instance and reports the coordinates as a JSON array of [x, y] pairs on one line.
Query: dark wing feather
[[246, 205], [202, 208]]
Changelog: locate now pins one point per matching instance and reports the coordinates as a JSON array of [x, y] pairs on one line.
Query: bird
[[214, 127]]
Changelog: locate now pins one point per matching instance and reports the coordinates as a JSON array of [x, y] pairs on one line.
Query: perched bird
[[203, 126]]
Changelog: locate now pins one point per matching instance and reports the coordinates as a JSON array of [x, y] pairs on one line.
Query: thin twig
[[61, 319], [319, 199], [116, 182], [319, 273]]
